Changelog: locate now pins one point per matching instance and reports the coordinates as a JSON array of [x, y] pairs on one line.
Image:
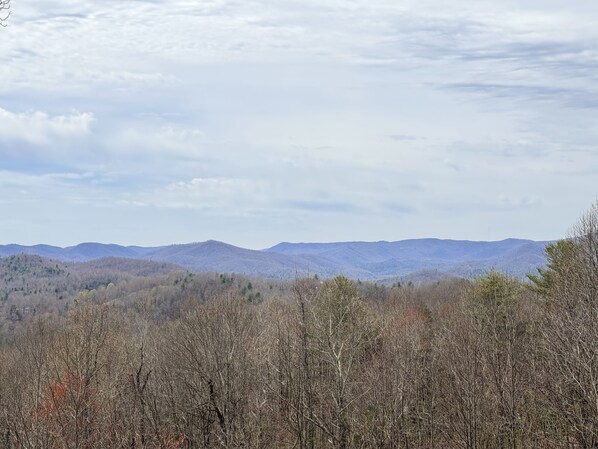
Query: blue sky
[[259, 121]]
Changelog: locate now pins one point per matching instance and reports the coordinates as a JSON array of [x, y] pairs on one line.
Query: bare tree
[[464, 403], [503, 326], [344, 337], [79, 406], [292, 362], [400, 400], [570, 332], [210, 360], [24, 370], [4, 11]]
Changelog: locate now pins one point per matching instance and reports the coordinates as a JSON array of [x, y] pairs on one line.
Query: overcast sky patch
[[261, 121]]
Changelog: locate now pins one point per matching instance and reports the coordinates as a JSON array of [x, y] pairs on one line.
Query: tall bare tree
[[570, 331], [211, 363], [344, 337]]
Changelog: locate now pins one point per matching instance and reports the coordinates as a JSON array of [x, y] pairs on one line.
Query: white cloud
[[209, 194], [38, 127], [310, 111], [171, 141], [43, 183]]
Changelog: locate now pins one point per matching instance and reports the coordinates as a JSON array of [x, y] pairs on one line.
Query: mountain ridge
[[286, 260]]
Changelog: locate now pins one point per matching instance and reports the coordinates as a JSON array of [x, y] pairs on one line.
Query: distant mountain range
[[416, 260]]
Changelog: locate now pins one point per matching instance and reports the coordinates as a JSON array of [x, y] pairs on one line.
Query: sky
[[149, 122]]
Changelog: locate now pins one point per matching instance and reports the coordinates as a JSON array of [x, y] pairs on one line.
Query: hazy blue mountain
[[222, 257], [91, 251], [78, 253], [462, 258], [38, 250], [416, 249], [419, 258]]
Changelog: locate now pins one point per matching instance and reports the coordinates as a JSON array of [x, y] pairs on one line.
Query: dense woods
[[175, 360]]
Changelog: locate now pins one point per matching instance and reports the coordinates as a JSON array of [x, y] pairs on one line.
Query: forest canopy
[[160, 358]]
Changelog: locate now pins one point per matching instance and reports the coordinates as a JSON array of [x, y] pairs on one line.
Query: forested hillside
[[152, 356], [32, 287]]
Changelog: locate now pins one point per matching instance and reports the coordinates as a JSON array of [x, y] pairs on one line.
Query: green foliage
[[496, 289], [495, 303], [254, 298], [342, 314], [338, 301], [560, 256], [226, 279]]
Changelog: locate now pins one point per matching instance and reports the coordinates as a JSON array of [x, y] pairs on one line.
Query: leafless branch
[[4, 11]]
